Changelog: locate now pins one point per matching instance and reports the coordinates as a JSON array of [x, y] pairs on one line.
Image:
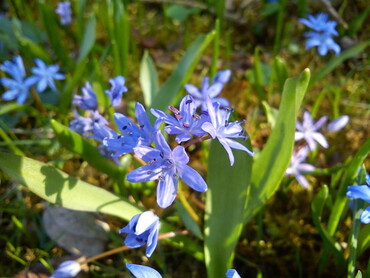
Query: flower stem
[[38, 103], [125, 248], [196, 140]]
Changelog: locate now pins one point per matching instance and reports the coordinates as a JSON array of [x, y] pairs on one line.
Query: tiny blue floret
[[88, 100], [116, 91], [64, 11]]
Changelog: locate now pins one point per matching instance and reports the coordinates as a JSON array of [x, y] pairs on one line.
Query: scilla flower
[[44, 75], [117, 89], [64, 11], [18, 86], [142, 229], [361, 192], [167, 166], [88, 100], [308, 130], [324, 30], [219, 127], [297, 166], [67, 269]]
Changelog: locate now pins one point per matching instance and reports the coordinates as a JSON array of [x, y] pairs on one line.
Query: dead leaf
[[78, 232]]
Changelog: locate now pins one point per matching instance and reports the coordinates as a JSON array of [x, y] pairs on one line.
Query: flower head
[[142, 271], [84, 125], [132, 135], [308, 130], [185, 121], [142, 229], [361, 192], [324, 30], [117, 89], [296, 166], [64, 11], [18, 86], [88, 100], [232, 273], [67, 269], [219, 127], [167, 166], [209, 91], [338, 123], [45, 75]]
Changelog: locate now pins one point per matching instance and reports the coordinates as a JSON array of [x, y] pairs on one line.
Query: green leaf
[[317, 208], [270, 166], [75, 143], [225, 203], [338, 60], [182, 73], [188, 221], [271, 114], [179, 12], [358, 22], [148, 79], [88, 39], [59, 188]]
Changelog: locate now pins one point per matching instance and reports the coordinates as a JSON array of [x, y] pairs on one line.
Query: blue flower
[[84, 125], [67, 269], [220, 128], [167, 166], [308, 131], [18, 86], [338, 123], [117, 89], [296, 166], [64, 11], [209, 91], [88, 100], [232, 273], [361, 192], [185, 121], [324, 30], [142, 271], [132, 135], [142, 229], [44, 75]]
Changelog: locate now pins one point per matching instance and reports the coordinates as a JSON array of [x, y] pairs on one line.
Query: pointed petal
[[141, 271], [192, 178], [236, 145], [359, 192], [167, 190], [365, 216], [320, 139], [149, 172]]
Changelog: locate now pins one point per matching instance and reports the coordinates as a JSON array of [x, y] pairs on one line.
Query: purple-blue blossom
[[361, 192], [209, 91], [85, 125], [308, 130], [116, 91], [88, 100], [338, 123], [232, 273], [167, 166], [185, 122], [67, 269], [141, 230], [219, 127], [131, 135], [18, 86], [142, 271], [297, 166], [65, 12], [45, 75], [324, 30]]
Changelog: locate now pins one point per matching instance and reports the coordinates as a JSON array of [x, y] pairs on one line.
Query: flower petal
[[192, 178], [141, 271]]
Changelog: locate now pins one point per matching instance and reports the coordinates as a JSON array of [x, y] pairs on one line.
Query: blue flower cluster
[[322, 34], [19, 85], [65, 12], [201, 115]]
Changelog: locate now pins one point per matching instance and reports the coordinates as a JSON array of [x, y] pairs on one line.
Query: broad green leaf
[[348, 179], [75, 143], [317, 208], [269, 168], [188, 221], [225, 203], [59, 188], [182, 73], [271, 114], [88, 39], [148, 79], [338, 60]]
